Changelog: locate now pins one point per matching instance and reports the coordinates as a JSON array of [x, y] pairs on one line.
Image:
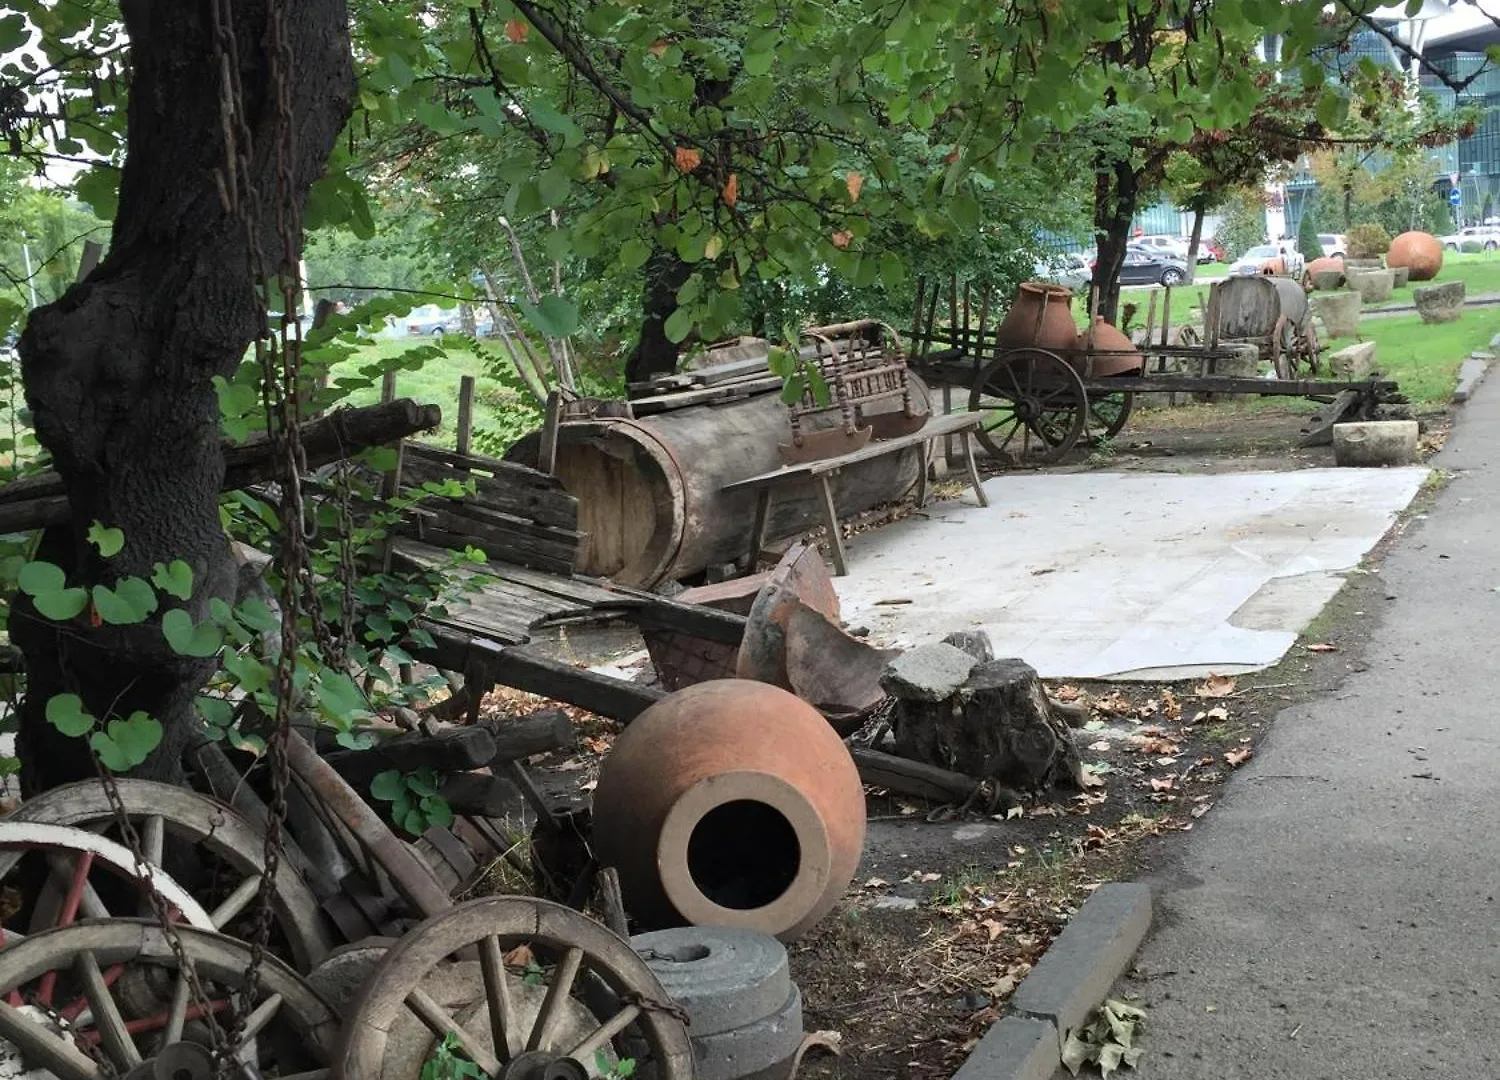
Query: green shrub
[[1471, 247], [1307, 231], [1368, 242]]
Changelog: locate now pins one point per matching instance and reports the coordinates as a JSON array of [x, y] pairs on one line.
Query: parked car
[[1252, 261], [432, 319], [1144, 267], [1163, 245], [1486, 236], [1214, 250], [1064, 268], [1334, 245]]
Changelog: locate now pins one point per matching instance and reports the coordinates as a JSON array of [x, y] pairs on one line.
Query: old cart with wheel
[[1038, 402]]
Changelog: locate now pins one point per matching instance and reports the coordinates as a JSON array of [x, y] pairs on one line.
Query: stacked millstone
[[744, 1012]]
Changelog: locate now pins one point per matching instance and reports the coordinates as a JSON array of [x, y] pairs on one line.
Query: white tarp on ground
[[1126, 575]]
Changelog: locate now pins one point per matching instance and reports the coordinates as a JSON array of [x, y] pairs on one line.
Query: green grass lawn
[[1423, 359], [496, 407]]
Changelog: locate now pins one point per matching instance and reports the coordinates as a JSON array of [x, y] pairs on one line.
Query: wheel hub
[[179, 1061], [540, 1065]]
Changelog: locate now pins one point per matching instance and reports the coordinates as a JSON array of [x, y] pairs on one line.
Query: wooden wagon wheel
[[120, 1022], [1282, 361], [1108, 413], [622, 1004], [1309, 345], [1034, 405], [221, 839]]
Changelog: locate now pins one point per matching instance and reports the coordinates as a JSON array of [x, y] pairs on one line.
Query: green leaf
[[128, 603], [174, 579], [679, 324], [62, 606], [340, 697], [66, 713], [255, 614], [437, 811], [99, 187], [795, 387], [126, 743], [216, 710], [186, 639], [423, 782], [355, 740], [109, 541], [37, 578], [553, 316], [388, 786]]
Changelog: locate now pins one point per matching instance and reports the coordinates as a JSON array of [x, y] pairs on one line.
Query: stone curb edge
[[1070, 980]]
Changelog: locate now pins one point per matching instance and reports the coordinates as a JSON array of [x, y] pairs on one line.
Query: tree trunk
[[1115, 196], [1193, 243], [655, 353], [118, 372]]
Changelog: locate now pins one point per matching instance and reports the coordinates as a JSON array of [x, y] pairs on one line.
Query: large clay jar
[[1041, 315], [1419, 252], [1113, 352], [730, 803]]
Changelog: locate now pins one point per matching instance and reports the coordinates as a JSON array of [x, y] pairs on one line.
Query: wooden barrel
[[650, 495], [1250, 306]]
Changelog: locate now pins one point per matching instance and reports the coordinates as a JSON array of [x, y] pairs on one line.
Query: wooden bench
[[822, 472]]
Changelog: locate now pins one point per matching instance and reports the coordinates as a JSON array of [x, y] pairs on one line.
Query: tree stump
[[996, 724]]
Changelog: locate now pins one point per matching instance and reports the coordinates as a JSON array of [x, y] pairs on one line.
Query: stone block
[[1440, 303], [1327, 280], [1339, 312], [1353, 361], [1076, 972], [1402, 275], [1374, 443], [1373, 286], [1014, 1048], [928, 673], [725, 977]]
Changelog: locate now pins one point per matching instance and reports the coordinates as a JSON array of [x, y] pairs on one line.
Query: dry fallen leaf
[[854, 182], [877, 883], [993, 928], [1201, 809], [657, 48], [519, 957], [731, 193], [1100, 746], [1236, 758], [1161, 785], [1015, 812], [517, 29], [687, 158], [1216, 686], [841, 238], [1324, 646]]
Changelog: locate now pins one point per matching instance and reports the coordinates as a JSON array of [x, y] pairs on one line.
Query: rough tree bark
[[1115, 194], [118, 371], [1195, 241], [655, 353]]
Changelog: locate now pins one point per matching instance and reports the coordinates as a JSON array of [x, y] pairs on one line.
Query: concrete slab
[[1126, 575]]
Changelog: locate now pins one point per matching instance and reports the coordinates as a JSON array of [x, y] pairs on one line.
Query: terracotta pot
[[1052, 304], [1325, 262], [1114, 353], [730, 803], [1419, 252]]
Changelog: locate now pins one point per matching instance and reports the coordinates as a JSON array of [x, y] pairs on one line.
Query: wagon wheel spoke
[[504, 1023], [39, 1045], [552, 1004], [113, 1033], [177, 1014], [442, 1024], [235, 902], [600, 1036]]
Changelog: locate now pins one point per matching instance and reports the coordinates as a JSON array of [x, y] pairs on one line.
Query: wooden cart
[[1038, 402]]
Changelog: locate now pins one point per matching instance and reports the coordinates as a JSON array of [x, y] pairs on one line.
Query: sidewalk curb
[[1073, 976], [1471, 373]]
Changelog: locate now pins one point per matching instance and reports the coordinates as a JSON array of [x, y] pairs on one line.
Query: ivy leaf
[[388, 786], [553, 316], [437, 811], [355, 740], [340, 697], [203, 640], [257, 615], [62, 606], [219, 712], [66, 713], [423, 782], [679, 324], [175, 579], [37, 578], [109, 541], [126, 743], [128, 603]]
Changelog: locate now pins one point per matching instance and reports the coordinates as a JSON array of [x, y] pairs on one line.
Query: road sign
[[1455, 197]]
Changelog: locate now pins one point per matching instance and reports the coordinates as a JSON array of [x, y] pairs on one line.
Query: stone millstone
[[724, 977], [928, 673]]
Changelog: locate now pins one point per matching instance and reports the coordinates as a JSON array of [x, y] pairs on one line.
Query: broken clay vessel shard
[[730, 803]]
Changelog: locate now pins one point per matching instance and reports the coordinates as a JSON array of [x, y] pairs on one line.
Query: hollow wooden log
[[913, 778], [40, 500]]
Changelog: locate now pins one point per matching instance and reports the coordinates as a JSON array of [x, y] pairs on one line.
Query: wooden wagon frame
[[1038, 402]]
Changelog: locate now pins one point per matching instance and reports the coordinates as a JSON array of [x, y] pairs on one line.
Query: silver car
[[1067, 268]]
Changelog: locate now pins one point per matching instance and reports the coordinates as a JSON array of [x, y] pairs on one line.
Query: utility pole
[[30, 280]]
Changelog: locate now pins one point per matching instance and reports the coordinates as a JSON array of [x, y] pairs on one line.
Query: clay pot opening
[[744, 855]]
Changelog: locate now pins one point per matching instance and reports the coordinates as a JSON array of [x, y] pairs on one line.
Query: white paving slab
[[1126, 575]]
